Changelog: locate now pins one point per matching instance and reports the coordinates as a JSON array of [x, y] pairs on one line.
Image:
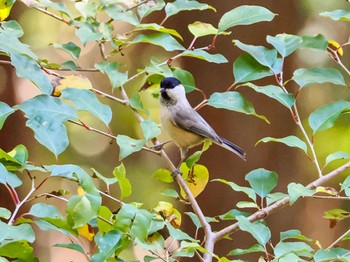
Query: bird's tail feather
[[232, 147]]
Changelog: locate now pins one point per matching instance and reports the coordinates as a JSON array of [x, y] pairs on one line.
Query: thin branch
[[89, 128], [110, 197], [52, 15], [337, 240], [263, 213], [121, 101]]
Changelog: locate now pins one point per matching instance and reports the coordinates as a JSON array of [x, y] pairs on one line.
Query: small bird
[[183, 124]]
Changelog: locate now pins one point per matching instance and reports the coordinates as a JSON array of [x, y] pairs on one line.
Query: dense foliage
[[64, 96]]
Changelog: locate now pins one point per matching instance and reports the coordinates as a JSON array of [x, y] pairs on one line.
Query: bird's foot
[[175, 173]]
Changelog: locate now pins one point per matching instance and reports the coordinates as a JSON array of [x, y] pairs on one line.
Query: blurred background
[[89, 149]]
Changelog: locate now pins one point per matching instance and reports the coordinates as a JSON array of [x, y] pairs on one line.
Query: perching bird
[[183, 124]]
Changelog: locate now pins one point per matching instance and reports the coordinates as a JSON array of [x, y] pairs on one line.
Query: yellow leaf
[[165, 209], [71, 81], [85, 232], [196, 178], [5, 8], [176, 218], [327, 190], [81, 191], [334, 45]]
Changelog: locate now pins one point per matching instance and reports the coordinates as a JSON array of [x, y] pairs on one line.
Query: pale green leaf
[[326, 116], [186, 79], [163, 175], [291, 141], [262, 181], [314, 42], [158, 28], [163, 40], [124, 184], [150, 129], [247, 204], [87, 33], [333, 254], [185, 5], [199, 29], [116, 77], [107, 245], [337, 15], [233, 101], [285, 43], [253, 249], [298, 248], [245, 15], [248, 191], [317, 75], [149, 7], [72, 246], [5, 213], [204, 55], [296, 191], [346, 186], [9, 178], [336, 156], [128, 145], [71, 48], [120, 13], [258, 230], [5, 111], [293, 234]]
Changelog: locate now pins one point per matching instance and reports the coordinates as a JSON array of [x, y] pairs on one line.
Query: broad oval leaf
[[201, 54], [336, 156], [285, 43], [337, 15], [299, 248], [149, 7], [317, 75], [116, 77], [326, 116], [9, 178], [128, 145], [196, 178], [107, 245], [71, 48], [150, 129], [253, 249], [245, 15], [120, 13], [291, 141], [258, 230], [274, 92], [163, 40], [158, 28], [87, 101], [5, 111], [233, 101], [199, 29], [314, 42], [295, 191], [246, 68], [16, 233], [332, 254], [262, 181], [266, 57], [185, 5], [124, 183]]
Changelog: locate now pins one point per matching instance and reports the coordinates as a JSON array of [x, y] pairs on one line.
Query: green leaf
[[28, 68], [253, 249], [199, 29], [245, 15], [233, 101], [232, 214], [261, 54], [158, 28], [163, 40], [119, 13], [246, 68], [293, 234], [141, 224], [17, 249], [11, 233], [186, 79], [274, 92], [296, 191], [337, 15], [314, 42], [71, 48], [136, 103], [128, 145], [298, 248], [170, 193], [107, 245], [87, 33], [124, 183], [336, 156], [12, 27], [334, 254], [248, 191], [60, 7], [107, 180], [85, 100], [5, 111], [317, 75], [285, 43], [43, 210], [259, 231], [196, 221], [185, 5], [204, 55], [163, 175], [124, 217], [247, 204], [336, 214], [87, 9], [8, 160], [346, 186], [9, 178], [262, 181], [291, 141], [177, 234], [326, 116], [5, 213], [71, 246], [150, 129], [274, 197], [149, 7], [46, 115], [116, 77]]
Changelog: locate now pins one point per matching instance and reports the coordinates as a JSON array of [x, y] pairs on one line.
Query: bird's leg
[[183, 158]]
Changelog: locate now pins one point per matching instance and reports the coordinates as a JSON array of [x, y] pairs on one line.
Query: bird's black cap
[[169, 83]]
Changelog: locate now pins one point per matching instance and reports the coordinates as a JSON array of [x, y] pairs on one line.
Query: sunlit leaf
[[163, 175], [128, 145], [196, 221], [9, 178], [258, 230], [336, 156], [262, 181], [124, 184], [326, 116], [158, 28], [274, 197], [5, 111], [186, 79], [274, 92], [85, 232], [10, 233], [298, 248], [346, 186], [247, 204], [85, 100], [107, 244], [199, 29], [163, 40], [141, 224], [196, 178], [291, 141], [296, 191], [245, 15], [5, 213], [285, 43], [232, 214], [246, 68], [253, 249], [204, 55], [185, 5], [233, 101], [317, 75], [337, 214], [107, 180], [337, 15]]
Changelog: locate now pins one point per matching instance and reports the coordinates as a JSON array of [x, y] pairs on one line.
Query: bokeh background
[[92, 150]]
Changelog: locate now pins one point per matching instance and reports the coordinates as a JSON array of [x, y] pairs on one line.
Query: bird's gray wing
[[191, 121]]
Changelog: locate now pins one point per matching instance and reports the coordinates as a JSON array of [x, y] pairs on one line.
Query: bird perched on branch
[[183, 124]]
